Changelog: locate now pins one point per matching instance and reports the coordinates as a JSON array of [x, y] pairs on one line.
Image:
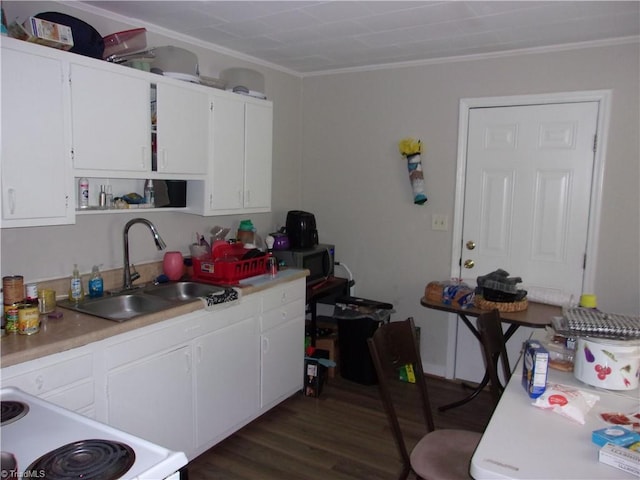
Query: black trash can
[[358, 319]]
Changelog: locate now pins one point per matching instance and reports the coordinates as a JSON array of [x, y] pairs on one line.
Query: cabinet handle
[[143, 157], [199, 352], [248, 197], [39, 382], [187, 358], [240, 200], [164, 159], [265, 344], [12, 201]]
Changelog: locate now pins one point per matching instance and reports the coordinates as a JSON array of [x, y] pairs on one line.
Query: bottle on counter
[[96, 284], [246, 232], [76, 290]]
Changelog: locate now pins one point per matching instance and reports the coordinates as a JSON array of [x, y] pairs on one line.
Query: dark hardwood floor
[[341, 435]]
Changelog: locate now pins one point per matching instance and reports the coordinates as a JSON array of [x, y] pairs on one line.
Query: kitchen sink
[[182, 291], [120, 307], [141, 301]]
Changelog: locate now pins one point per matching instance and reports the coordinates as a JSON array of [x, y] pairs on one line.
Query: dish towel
[[229, 294]]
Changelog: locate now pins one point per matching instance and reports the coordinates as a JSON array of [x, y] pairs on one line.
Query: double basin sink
[[144, 300]]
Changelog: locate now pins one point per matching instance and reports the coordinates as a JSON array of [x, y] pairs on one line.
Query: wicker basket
[[518, 306]]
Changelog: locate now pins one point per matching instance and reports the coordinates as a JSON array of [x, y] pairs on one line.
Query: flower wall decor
[[411, 149]]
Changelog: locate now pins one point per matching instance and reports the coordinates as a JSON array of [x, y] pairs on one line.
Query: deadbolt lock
[[471, 245], [469, 264]]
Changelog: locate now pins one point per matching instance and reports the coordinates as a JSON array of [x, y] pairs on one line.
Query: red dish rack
[[225, 265]]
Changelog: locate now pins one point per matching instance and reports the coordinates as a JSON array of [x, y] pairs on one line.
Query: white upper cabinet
[[240, 174], [37, 187], [111, 116], [258, 155], [183, 117]]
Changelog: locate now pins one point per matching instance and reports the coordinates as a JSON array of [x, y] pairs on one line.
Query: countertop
[[76, 329]]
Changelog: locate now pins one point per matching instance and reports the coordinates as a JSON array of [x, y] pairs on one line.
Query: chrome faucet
[[128, 278]]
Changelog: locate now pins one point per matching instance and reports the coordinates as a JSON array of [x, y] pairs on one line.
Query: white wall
[[356, 182], [43, 253]]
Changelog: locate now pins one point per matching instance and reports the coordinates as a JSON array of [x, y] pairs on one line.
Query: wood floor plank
[[342, 435]]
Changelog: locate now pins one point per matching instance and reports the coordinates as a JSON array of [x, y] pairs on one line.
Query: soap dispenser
[[96, 284], [76, 290]]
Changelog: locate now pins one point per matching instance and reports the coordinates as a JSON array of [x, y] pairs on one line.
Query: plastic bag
[[567, 401]]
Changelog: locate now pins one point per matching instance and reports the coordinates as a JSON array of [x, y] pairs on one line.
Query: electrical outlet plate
[[439, 222]]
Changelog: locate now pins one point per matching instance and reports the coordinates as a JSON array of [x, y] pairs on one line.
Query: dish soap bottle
[[76, 291], [96, 284]]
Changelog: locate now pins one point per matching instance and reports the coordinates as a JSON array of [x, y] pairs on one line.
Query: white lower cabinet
[[227, 382], [282, 343], [185, 383], [152, 398], [66, 379]]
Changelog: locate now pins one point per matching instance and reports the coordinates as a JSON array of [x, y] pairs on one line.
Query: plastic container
[[127, 41], [176, 62]]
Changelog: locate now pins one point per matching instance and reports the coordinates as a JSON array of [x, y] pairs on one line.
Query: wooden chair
[[494, 351], [440, 454]]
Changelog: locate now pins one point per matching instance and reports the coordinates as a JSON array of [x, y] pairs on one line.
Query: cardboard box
[[37, 30], [615, 435], [622, 458], [330, 344], [534, 368], [315, 374]]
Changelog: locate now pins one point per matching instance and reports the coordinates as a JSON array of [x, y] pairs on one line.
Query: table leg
[[475, 391]]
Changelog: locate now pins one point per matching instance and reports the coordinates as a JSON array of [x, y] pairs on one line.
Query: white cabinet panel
[[258, 156], [66, 379], [152, 399], [227, 379], [282, 361], [240, 176], [36, 162], [182, 130], [111, 117]]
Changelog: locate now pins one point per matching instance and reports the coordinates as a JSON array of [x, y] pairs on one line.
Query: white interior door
[[526, 203]]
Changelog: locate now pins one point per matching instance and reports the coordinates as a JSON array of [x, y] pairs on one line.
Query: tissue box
[[615, 435], [620, 457], [534, 368]]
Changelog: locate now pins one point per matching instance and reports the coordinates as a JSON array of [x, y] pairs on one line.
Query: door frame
[[603, 98]]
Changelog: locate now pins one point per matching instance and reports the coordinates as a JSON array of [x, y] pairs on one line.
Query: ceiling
[[315, 36]]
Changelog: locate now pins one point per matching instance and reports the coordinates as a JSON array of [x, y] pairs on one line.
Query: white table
[[526, 442]]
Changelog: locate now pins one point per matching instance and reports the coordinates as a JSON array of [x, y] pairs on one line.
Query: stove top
[[52, 442]]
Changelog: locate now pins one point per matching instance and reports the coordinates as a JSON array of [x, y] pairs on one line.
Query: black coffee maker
[[301, 230]]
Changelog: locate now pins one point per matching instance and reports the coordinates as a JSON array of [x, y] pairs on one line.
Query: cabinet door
[[111, 116], [36, 162], [227, 176], [152, 399], [227, 379], [282, 361], [258, 153], [183, 130]]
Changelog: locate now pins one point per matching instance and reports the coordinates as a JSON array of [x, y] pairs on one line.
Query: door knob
[[469, 264], [471, 245]]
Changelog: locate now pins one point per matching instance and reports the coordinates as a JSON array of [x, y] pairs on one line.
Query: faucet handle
[[134, 274]]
